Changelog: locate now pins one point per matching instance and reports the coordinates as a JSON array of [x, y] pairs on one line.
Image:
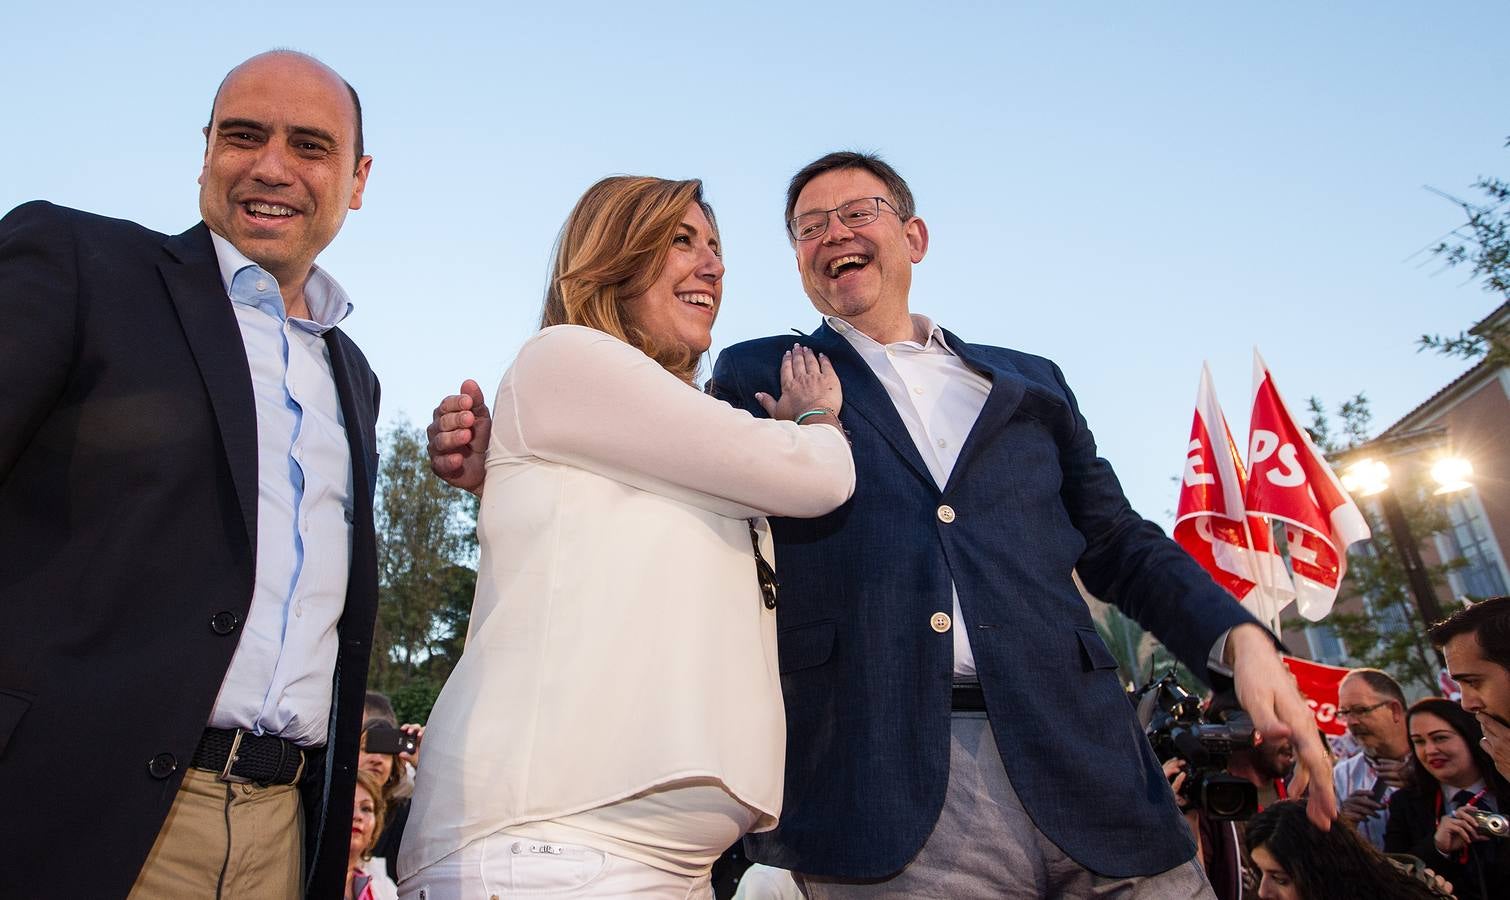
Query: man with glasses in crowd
[[1476, 642], [933, 619], [1372, 705]]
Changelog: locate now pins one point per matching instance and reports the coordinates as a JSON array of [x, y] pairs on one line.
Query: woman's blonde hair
[[612, 248], [369, 782]]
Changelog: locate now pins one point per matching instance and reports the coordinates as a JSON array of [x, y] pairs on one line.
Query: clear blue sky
[[1126, 188]]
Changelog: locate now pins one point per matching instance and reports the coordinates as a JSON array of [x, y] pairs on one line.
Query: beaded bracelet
[[820, 411]]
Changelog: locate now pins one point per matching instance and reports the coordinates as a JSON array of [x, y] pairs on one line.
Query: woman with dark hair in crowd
[[364, 882], [1428, 819], [1295, 860], [616, 720]]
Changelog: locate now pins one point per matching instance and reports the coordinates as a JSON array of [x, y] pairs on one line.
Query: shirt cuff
[[1216, 661]]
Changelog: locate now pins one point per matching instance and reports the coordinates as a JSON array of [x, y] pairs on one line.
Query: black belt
[[968, 698], [240, 757]]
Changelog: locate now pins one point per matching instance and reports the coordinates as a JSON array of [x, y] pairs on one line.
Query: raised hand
[[1267, 691], [807, 382], [458, 438], [1359, 805]]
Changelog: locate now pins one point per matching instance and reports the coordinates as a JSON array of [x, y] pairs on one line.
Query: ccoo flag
[[1289, 480], [1214, 526]]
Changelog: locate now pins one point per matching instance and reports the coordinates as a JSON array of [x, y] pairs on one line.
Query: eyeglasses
[[763, 572], [1358, 712], [854, 214]]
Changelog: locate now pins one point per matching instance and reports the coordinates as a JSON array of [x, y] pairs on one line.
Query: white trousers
[[504, 865]]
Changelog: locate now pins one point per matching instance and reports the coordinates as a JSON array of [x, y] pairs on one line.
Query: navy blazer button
[[162, 765], [940, 621], [224, 622], [946, 514]]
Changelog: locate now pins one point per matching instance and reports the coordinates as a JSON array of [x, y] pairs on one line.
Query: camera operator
[[1222, 772]]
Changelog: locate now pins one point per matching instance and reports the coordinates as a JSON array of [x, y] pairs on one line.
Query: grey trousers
[[1016, 862]]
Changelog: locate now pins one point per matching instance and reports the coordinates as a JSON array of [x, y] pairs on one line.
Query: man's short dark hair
[[1489, 620], [377, 707], [356, 104], [1380, 683], [901, 194]]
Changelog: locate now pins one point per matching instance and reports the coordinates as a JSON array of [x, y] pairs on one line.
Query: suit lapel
[[356, 409], [865, 395], [192, 276], [1007, 388]]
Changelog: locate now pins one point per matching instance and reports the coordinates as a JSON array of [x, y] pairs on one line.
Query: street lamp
[[1370, 478]]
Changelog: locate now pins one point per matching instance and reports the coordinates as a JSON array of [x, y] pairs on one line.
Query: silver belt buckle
[[230, 760]]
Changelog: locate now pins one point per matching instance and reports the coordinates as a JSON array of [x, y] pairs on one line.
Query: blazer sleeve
[[1130, 562], [38, 306], [583, 398]]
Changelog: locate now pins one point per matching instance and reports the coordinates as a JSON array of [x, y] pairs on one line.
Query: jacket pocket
[[13, 706], [1093, 652], [805, 646]]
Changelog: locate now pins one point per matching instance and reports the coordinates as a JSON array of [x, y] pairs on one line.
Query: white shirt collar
[[920, 322]]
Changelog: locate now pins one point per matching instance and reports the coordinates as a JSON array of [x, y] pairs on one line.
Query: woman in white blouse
[[616, 719]]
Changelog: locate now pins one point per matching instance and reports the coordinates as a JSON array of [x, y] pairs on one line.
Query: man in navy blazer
[[978, 493], [188, 575], [955, 726]]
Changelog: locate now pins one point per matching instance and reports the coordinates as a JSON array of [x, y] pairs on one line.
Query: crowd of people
[[826, 602]]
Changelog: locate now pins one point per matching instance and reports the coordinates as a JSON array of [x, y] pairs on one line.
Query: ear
[[916, 233], [360, 184], [206, 163]]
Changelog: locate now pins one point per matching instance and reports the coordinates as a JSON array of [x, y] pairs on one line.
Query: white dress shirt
[[280, 679]]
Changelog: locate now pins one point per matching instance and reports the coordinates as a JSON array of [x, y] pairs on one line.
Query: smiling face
[[1442, 750], [680, 307], [1275, 883], [280, 167], [863, 274], [1274, 758]]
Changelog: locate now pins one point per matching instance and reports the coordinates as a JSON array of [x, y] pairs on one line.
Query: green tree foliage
[[426, 543], [1482, 243], [1140, 657]]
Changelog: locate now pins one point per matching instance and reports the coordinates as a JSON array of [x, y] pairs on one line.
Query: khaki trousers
[[231, 841]]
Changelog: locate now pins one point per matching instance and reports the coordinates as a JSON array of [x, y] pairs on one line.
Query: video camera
[[1175, 727]]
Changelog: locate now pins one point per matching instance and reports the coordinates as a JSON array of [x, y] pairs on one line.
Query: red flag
[[1212, 525], [1290, 480], [1319, 684]]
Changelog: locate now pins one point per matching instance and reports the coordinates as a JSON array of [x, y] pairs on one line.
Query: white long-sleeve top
[[618, 638]]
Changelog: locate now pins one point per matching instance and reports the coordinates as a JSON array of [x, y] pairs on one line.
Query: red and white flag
[[1213, 526], [1319, 685], [1289, 479]]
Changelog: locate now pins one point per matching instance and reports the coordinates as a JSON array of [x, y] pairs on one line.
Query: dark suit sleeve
[[1130, 562], [38, 309]]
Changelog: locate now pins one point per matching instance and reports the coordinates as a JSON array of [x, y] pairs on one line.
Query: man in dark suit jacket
[[978, 492], [187, 568]]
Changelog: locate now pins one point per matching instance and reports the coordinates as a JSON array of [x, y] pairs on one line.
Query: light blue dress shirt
[[280, 679]]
